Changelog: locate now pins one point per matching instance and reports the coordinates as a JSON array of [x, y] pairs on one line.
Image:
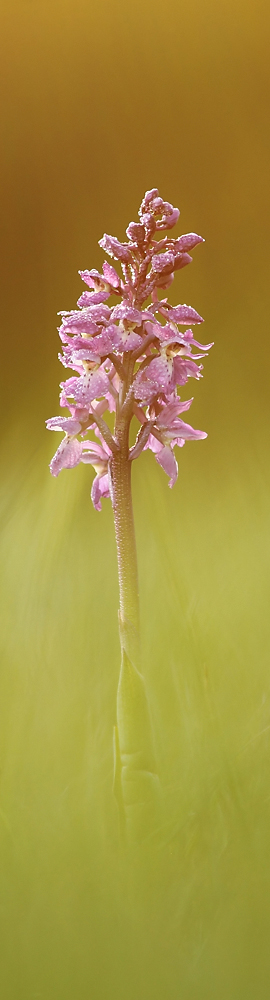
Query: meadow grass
[[187, 916]]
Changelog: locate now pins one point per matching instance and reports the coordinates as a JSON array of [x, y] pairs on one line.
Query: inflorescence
[[129, 357]]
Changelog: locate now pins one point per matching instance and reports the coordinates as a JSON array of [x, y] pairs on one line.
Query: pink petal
[[167, 460], [93, 298], [95, 347], [171, 219], [154, 445], [153, 205], [159, 370], [153, 326], [71, 335], [124, 311], [136, 232], [163, 262], [187, 432], [67, 424], [188, 338], [182, 314], [148, 197], [182, 260], [156, 378], [90, 457], [188, 241], [67, 455], [81, 319], [94, 452], [164, 280], [92, 278], [149, 224], [85, 388], [72, 357], [100, 488], [184, 368], [171, 411], [120, 251], [167, 335], [129, 341], [111, 275]]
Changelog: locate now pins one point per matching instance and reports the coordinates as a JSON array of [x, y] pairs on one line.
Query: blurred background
[[101, 102]]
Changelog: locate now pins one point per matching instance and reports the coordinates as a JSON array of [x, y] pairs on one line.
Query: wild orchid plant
[[130, 358]]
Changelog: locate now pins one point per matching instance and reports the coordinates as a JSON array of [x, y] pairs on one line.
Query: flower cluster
[[131, 356]]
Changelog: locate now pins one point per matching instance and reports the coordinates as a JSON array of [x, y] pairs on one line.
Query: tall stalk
[[129, 616], [130, 358], [135, 780]]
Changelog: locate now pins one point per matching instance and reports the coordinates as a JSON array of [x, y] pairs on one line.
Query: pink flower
[[120, 251], [169, 430], [98, 456], [163, 374], [84, 389], [68, 424], [67, 455], [184, 315], [71, 452], [85, 320], [165, 263], [163, 214], [111, 276], [93, 298]]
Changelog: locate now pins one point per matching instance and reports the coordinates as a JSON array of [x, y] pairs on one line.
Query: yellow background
[[100, 102]]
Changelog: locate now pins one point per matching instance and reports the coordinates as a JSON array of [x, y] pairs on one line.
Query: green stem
[[126, 549], [136, 784]]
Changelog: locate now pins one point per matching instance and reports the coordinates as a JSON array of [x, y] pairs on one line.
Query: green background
[[100, 102]]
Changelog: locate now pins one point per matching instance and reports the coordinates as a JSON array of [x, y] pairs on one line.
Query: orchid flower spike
[[132, 356], [129, 358]]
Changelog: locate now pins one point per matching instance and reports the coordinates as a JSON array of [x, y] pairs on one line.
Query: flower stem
[[126, 550], [136, 784]]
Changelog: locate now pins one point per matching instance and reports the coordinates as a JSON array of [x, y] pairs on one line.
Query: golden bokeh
[[100, 102]]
